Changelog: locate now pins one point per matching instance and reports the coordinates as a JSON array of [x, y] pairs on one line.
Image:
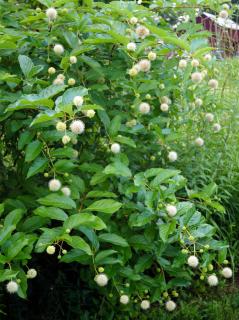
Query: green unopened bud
[[210, 267], [225, 262], [202, 277], [101, 269]]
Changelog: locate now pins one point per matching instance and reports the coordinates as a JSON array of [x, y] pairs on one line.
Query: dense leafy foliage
[[90, 130]]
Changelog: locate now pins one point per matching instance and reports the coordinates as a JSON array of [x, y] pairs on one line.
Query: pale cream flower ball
[[124, 299], [199, 142], [227, 272], [54, 185], [145, 304], [51, 70], [78, 101], [209, 117], [12, 286], [60, 126], [133, 72], [152, 56], [196, 77], [195, 63], [198, 102], [66, 139], [71, 82], [142, 32], [58, 81], [77, 126], [170, 305], [212, 280], [58, 49], [172, 156], [101, 279], [115, 148], [171, 210], [51, 14], [90, 113], [213, 83], [50, 250], [66, 191], [144, 65], [193, 261], [131, 46], [73, 59], [31, 273], [133, 20], [207, 57], [223, 14], [164, 107], [144, 108], [182, 64], [216, 127]]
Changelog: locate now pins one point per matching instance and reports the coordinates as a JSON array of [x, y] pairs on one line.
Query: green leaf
[[56, 200], [14, 248], [25, 138], [13, 217], [32, 151], [166, 229], [106, 205], [100, 257], [38, 166], [114, 239], [51, 212], [77, 242], [118, 168], [70, 94], [7, 274], [1, 208], [5, 233], [84, 219], [115, 126], [163, 177], [47, 238], [125, 140], [26, 64], [100, 194]]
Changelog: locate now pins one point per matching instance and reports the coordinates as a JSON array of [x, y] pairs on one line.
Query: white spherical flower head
[[12, 286], [209, 117], [77, 126], [58, 81], [196, 77], [182, 64], [133, 20], [71, 82], [152, 56], [144, 108], [216, 127], [78, 101], [124, 299], [161, 86], [213, 83], [223, 14], [145, 304], [101, 279], [207, 57], [133, 72], [51, 70], [90, 113], [51, 14], [58, 49], [198, 102], [144, 65], [199, 142], [66, 139], [212, 280], [170, 305], [193, 261], [50, 249], [31, 273], [60, 126], [66, 191], [142, 32], [171, 210], [131, 46], [172, 156], [73, 59], [227, 272], [115, 148], [226, 6], [195, 63], [164, 107], [54, 185]]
